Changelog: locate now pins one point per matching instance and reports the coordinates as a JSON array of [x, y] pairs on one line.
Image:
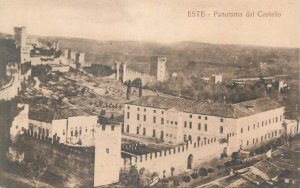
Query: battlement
[[163, 160], [137, 73]]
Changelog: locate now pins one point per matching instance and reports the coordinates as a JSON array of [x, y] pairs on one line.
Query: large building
[[177, 120], [73, 127]]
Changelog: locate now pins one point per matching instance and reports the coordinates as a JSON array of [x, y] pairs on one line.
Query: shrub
[[186, 179], [194, 175], [176, 182], [210, 170]]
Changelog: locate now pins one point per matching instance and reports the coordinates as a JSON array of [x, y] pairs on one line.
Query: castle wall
[[177, 157]]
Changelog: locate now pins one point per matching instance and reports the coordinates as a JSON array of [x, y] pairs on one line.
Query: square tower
[[158, 67], [20, 36]]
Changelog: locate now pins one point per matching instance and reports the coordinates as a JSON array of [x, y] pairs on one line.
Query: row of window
[[162, 112], [145, 110], [262, 138], [205, 140], [191, 126], [264, 123]]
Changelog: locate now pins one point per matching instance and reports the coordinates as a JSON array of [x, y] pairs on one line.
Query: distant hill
[[188, 57]]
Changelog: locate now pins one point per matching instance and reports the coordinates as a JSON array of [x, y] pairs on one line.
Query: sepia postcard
[[149, 93]]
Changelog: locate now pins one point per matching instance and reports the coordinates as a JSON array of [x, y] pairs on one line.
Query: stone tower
[[20, 36], [124, 72], [158, 67], [107, 154], [117, 66], [21, 43]]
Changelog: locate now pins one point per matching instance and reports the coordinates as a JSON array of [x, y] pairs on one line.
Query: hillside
[[189, 57]]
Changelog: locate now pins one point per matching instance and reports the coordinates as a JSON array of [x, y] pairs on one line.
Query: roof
[[44, 114], [205, 108]]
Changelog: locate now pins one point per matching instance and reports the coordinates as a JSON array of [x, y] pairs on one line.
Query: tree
[[128, 92], [234, 156], [140, 89], [203, 172]]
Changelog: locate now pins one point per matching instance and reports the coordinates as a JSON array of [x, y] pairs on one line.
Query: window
[[262, 123], [269, 121], [247, 142], [199, 126], [64, 133], [257, 125], [144, 131], [190, 137], [221, 129], [205, 127], [107, 150], [138, 116], [191, 125], [266, 122], [137, 130], [199, 117], [175, 122], [154, 111], [221, 120], [145, 118], [138, 108], [185, 124], [128, 107], [191, 116], [162, 121], [154, 119], [162, 112], [145, 110], [248, 127], [276, 119], [241, 130], [280, 117], [253, 126], [128, 115], [205, 118], [171, 122], [184, 138], [71, 133], [153, 133]]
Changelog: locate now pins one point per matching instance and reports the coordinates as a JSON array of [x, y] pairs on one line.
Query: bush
[[194, 175], [186, 179], [210, 170], [176, 182]]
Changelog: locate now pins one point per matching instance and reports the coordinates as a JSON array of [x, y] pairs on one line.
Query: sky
[[164, 21]]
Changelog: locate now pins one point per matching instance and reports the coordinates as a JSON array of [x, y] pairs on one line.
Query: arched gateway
[[190, 162]]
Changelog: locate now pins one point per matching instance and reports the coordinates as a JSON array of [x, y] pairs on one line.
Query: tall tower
[[21, 43], [124, 72], [117, 70], [161, 68], [158, 67], [107, 155], [20, 36]]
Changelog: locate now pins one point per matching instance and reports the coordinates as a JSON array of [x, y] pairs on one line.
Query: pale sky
[[156, 20]]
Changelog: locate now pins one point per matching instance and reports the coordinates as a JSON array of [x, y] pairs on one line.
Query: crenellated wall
[[178, 157]]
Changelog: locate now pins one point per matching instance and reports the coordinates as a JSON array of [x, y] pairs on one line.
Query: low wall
[[179, 157]]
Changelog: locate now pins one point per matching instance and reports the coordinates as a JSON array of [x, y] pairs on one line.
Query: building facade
[[73, 128], [176, 120]]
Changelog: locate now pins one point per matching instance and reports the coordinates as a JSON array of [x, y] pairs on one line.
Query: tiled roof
[[45, 114], [204, 108]]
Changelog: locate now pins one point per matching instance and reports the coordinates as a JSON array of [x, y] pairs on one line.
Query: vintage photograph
[[149, 93]]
